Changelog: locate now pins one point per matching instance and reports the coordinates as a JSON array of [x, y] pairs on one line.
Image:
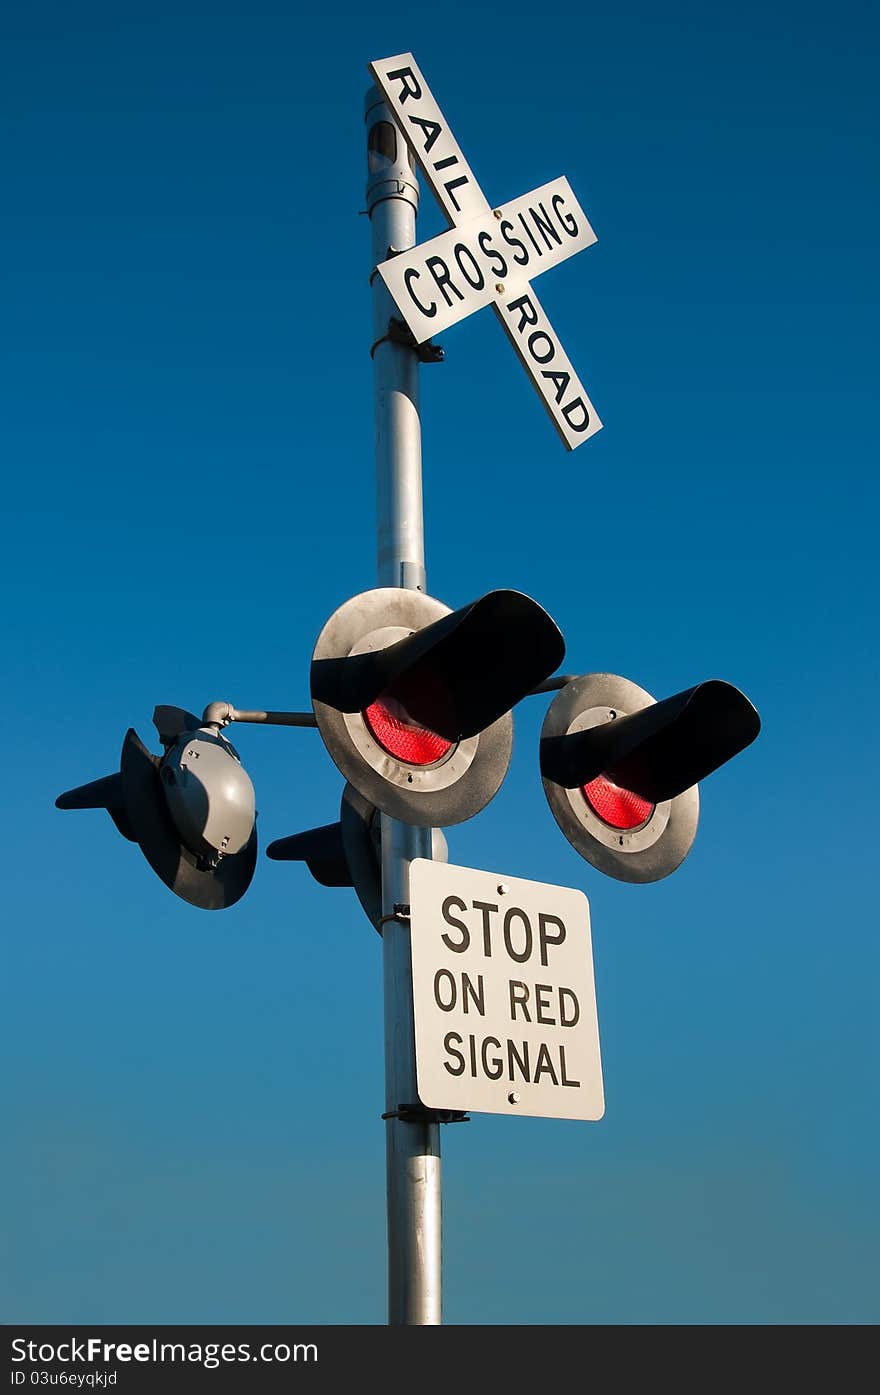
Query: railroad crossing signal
[[620, 770], [347, 853], [191, 810], [491, 255], [413, 700]]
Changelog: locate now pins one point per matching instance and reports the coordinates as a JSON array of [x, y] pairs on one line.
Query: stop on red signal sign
[[504, 997]]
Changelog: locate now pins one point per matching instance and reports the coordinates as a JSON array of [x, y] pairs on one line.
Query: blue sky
[[192, 1100]]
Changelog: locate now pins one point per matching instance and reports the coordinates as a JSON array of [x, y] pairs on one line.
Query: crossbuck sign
[[490, 255]]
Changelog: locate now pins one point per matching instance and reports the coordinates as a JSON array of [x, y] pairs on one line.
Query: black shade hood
[[101, 794], [321, 849], [347, 853], [457, 675], [662, 750], [341, 854], [171, 722]]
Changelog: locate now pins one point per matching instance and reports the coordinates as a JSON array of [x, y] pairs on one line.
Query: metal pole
[[412, 1148]]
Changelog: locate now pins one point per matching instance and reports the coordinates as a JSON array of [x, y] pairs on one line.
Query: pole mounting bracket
[[400, 333], [419, 1113], [400, 913]]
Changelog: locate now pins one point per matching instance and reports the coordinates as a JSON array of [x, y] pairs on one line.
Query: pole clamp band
[[419, 1113], [400, 333], [400, 914]]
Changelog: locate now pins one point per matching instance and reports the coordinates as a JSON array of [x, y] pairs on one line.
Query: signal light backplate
[[642, 854]]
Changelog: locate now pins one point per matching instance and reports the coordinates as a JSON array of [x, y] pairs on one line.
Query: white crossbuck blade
[[489, 255]]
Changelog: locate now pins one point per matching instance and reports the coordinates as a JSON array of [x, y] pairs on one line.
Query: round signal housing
[[619, 832], [389, 745]]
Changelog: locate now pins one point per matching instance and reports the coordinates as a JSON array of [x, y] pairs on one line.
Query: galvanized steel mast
[[412, 1145]]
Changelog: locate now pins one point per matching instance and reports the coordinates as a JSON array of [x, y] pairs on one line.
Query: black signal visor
[[462, 672], [661, 750], [321, 849], [106, 794]]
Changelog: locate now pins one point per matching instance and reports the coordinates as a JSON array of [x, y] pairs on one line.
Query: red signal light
[[401, 736], [616, 806]]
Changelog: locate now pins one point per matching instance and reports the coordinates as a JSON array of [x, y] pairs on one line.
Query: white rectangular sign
[[440, 282], [504, 999]]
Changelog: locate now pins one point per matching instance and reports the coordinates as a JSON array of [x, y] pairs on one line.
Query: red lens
[[617, 807], [403, 738]]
